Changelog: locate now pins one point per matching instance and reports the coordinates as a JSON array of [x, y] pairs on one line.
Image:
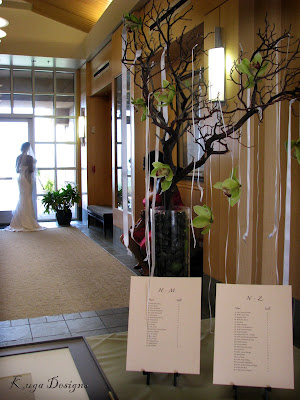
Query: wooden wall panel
[[99, 150], [104, 78]]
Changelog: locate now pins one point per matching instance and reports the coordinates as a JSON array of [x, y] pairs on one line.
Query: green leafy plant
[[62, 199], [204, 218], [231, 188], [295, 149]]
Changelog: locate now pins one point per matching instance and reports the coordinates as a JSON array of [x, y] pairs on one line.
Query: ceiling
[[79, 14]]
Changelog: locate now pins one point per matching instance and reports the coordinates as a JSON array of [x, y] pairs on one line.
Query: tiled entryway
[[89, 323]]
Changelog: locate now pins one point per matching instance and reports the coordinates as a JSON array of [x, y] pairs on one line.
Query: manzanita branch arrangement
[[271, 74]]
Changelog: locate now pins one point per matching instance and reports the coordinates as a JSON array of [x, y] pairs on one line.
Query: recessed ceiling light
[[3, 22], [2, 33]]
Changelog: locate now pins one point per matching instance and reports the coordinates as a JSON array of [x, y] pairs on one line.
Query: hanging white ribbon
[[124, 144], [132, 135], [287, 223], [194, 133], [157, 141], [228, 216], [238, 204], [277, 170], [248, 167], [228, 210], [147, 185], [209, 260], [237, 276], [257, 192], [163, 78]]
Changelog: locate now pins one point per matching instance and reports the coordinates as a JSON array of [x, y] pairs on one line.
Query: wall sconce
[[81, 127], [216, 69]]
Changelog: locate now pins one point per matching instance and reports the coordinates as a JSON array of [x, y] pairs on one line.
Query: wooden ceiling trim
[[63, 16], [80, 14]]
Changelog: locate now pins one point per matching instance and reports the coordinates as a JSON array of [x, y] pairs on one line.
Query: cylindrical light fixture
[[81, 126], [216, 69]]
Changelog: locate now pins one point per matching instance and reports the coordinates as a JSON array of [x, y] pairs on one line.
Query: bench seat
[[103, 214]]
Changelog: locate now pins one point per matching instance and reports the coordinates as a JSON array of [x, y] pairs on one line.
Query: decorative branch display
[[151, 34], [269, 75]]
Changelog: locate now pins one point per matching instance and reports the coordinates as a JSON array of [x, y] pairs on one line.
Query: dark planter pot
[[64, 217], [172, 242]]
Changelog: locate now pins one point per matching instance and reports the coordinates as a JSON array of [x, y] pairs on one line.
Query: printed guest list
[[164, 325], [254, 336]]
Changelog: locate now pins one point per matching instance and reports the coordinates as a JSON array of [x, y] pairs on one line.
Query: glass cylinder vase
[[172, 241]]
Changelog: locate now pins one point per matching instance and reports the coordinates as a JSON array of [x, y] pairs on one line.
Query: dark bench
[[103, 214]]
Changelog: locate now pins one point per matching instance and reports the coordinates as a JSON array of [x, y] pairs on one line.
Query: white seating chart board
[[254, 336], [164, 325]]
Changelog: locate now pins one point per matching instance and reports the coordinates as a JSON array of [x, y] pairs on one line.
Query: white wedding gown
[[23, 217]]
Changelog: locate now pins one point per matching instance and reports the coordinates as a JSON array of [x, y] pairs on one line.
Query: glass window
[[65, 176], [45, 155], [5, 104], [43, 105], [65, 155], [40, 211], [5, 80], [44, 129], [64, 106], [22, 104], [65, 130], [118, 144], [43, 176], [84, 201], [119, 189], [83, 157], [22, 81], [84, 181], [119, 155], [44, 81], [119, 130], [64, 82]]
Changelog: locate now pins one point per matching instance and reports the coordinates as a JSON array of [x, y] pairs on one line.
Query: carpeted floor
[[58, 271]]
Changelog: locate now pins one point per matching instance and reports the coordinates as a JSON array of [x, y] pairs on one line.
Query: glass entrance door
[[13, 132]]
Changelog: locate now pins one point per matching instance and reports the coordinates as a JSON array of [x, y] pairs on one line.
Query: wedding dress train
[[24, 217]]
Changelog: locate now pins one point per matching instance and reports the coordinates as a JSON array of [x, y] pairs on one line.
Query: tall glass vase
[[172, 241]]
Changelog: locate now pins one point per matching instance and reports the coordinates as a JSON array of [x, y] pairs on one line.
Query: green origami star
[[204, 218], [161, 170], [165, 96], [231, 188], [295, 149], [252, 69]]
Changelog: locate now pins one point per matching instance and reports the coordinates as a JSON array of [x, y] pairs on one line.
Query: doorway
[[13, 132]]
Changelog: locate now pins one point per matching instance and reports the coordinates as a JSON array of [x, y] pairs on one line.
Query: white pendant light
[[2, 34], [3, 22]]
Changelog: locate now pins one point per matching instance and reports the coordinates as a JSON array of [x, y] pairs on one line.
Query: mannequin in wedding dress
[[24, 217]]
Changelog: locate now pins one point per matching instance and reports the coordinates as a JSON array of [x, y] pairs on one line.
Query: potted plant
[[184, 92], [61, 201]]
